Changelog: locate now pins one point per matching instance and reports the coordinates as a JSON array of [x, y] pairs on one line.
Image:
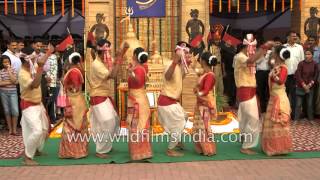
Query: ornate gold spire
[[131, 37], [156, 58]]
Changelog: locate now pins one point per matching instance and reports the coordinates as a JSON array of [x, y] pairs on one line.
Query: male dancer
[[244, 74], [171, 113], [104, 117], [34, 121]]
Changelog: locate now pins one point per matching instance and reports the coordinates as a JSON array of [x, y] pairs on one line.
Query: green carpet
[[119, 154]]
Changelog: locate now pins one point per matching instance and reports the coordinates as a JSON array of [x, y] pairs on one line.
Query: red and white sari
[[138, 118], [75, 121], [276, 137], [205, 111]]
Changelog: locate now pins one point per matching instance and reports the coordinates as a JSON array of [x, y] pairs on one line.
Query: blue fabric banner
[[147, 8]]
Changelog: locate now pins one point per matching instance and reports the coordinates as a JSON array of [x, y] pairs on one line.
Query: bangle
[[48, 53], [264, 47], [40, 69], [119, 62], [303, 84], [133, 74], [200, 93], [311, 83]]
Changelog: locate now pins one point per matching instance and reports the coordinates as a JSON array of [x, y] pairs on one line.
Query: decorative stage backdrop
[[41, 7], [38, 17], [153, 20]]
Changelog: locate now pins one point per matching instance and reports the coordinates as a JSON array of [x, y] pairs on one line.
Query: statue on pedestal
[[194, 26], [312, 24], [195, 29], [98, 31]]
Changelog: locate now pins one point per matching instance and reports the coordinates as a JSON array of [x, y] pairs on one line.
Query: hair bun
[[74, 58], [213, 61], [210, 59], [142, 57], [285, 54]]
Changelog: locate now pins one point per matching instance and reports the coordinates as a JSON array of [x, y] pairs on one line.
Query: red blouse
[[74, 79], [207, 83], [282, 76], [140, 79]]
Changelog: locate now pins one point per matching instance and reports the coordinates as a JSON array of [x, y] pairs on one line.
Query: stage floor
[[120, 155], [305, 137]]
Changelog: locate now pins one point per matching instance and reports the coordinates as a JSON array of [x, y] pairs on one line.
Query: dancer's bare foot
[[198, 149], [29, 162], [211, 154], [247, 151], [173, 153], [102, 156], [14, 133], [38, 153], [180, 146]]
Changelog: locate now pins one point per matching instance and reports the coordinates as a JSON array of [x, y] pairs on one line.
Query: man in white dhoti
[[248, 114], [34, 121], [171, 113], [103, 118]]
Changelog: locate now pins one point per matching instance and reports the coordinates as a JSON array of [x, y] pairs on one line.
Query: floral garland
[[228, 118]]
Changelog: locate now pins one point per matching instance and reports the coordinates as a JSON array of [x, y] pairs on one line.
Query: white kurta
[[104, 124], [173, 120], [35, 125], [248, 116]]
